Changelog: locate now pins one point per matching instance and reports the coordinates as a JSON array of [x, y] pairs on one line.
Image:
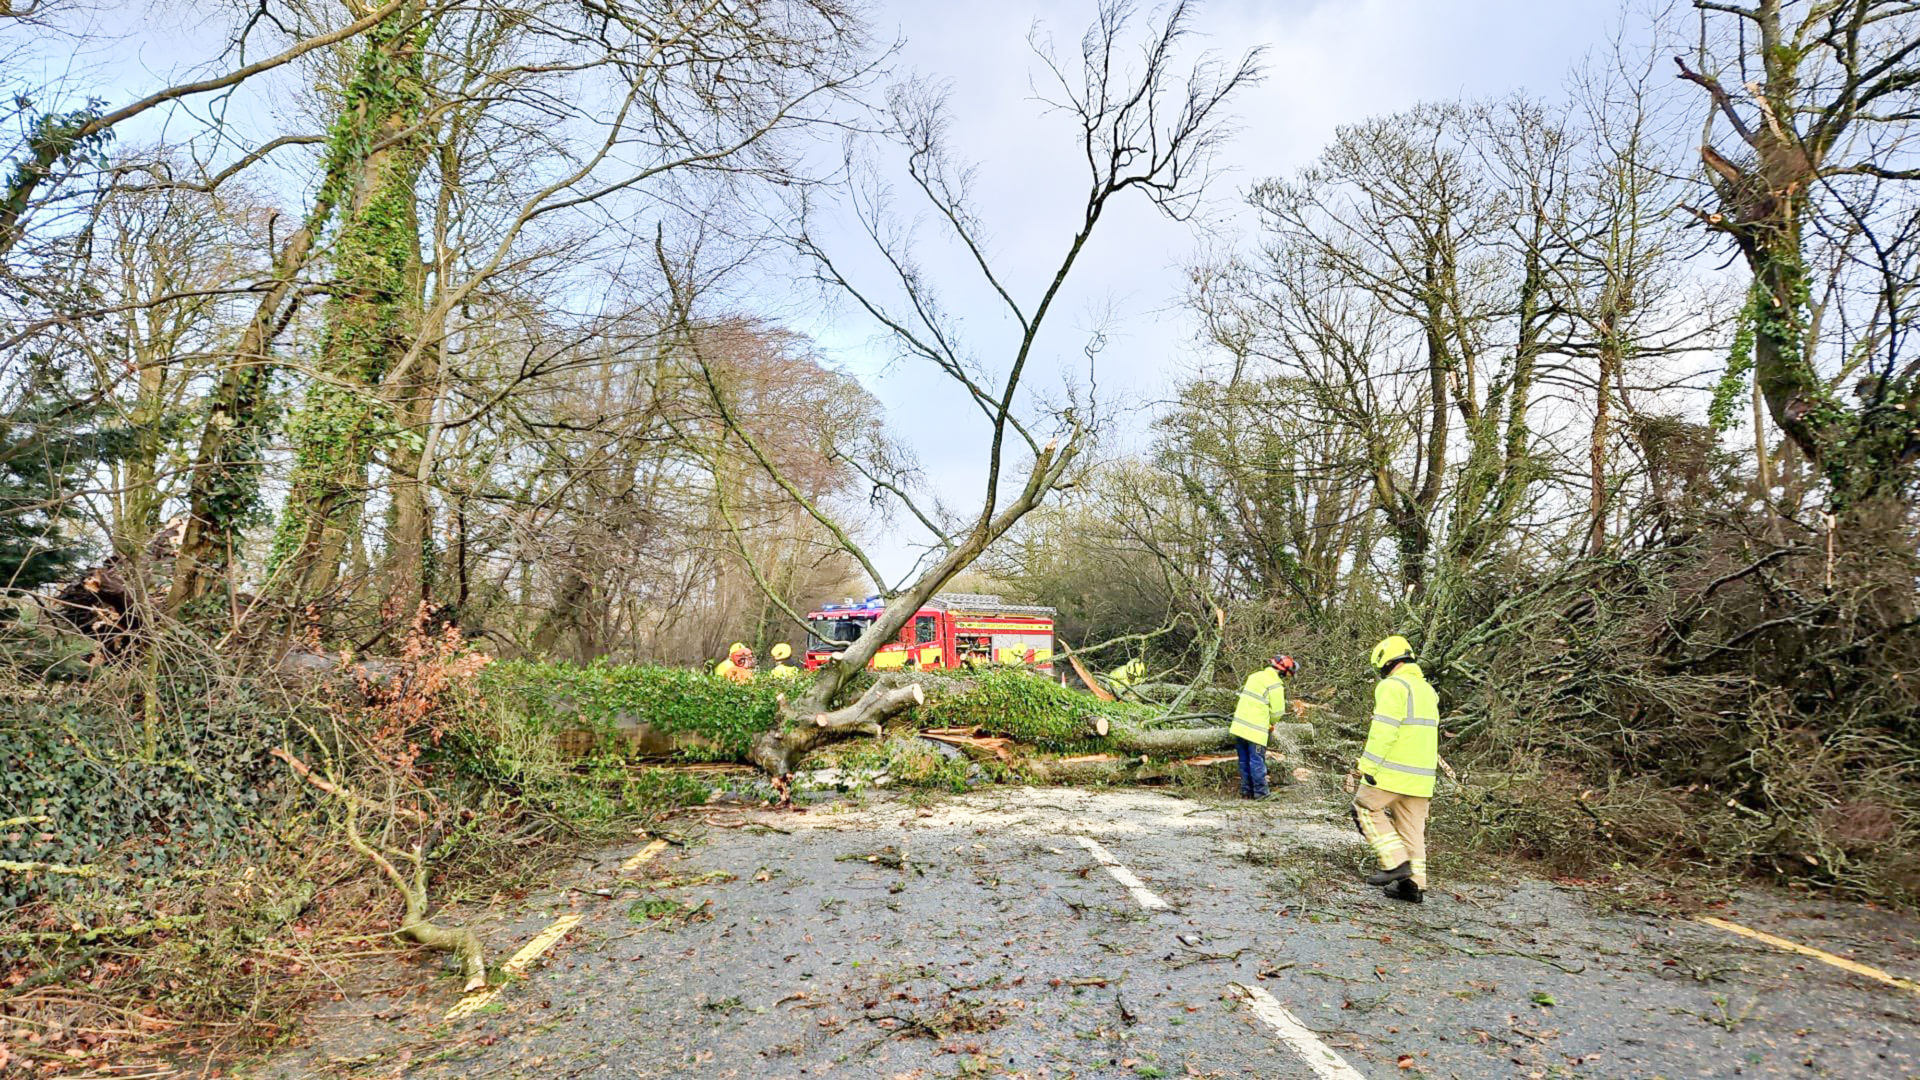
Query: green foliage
[[50, 444], [600, 697], [198, 799], [232, 500], [1027, 708], [55, 139], [1733, 382]]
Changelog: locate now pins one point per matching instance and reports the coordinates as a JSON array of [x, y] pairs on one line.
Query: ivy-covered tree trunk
[[1798, 123], [373, 311], [224, 492]]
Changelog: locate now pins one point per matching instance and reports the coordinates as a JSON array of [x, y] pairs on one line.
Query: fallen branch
[[1191, 742], [49, 868], [1093, 684], [416, 925], [974, 745], [1207, 958], [305, 772], [86, 937], [413, 893]]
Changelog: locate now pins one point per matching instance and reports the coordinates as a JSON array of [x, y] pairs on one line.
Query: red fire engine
[[953, 630]]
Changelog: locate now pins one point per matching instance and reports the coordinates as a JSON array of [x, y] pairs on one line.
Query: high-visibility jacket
[[1262, 699], [1403, 742], [783, 671], [1128, 674]]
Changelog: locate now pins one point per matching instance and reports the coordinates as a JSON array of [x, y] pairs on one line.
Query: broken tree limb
[[1093, 684], [970, 742], [1130, 769], [778, 751], [413, 893], [48, 868], [1189, 742], [1084, 769], [306, 773]]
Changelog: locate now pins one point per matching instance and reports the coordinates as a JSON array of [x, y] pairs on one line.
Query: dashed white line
[[1123, 875], [1318, 1055]]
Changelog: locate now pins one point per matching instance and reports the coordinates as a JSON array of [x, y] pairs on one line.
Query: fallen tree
[[1010, 716], [779, 750], [412, 885]]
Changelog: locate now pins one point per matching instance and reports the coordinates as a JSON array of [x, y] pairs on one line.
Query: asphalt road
[[1125, 933]]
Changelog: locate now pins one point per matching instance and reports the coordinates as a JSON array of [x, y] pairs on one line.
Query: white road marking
[[517, 965], [1318, 1055], [1123, 875]]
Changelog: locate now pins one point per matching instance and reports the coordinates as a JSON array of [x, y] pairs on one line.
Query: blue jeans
[[1253, 769]]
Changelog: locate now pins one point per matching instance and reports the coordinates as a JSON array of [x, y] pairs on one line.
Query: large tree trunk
[[1597, 495], [373, 313], [406, 571], [564, 616], [1186, 742], [779, 750]]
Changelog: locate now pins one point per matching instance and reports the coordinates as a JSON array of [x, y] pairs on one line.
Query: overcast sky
[[1328, 63]]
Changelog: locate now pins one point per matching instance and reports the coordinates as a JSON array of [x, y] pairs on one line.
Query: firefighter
[[738, 666], [1262, 699], [1127, 676], [1396, 771], [781, 669]]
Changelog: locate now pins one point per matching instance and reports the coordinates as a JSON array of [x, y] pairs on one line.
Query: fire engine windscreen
[[835, 633]]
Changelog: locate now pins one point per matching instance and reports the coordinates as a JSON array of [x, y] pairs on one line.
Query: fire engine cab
[[953, 630]]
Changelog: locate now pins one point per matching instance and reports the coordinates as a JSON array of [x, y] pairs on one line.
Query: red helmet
[[1284, 664]]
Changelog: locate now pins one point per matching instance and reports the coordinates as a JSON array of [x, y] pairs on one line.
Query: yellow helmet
[[1390, 650], [781, 651]]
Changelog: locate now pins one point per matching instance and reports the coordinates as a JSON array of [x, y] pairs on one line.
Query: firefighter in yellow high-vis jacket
[[781, 669], [1397, 769], [1262, 701]]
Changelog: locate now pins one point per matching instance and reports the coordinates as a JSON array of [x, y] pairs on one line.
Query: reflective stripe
[[1382, 718], [1251, 696], [1408, 769], [1408, 687], [1416, 721], [1387, 845]]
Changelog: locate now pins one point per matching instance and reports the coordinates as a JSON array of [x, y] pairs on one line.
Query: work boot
[[1405, 889], [1388, 877]]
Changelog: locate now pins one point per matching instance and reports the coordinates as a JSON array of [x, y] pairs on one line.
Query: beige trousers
[[1395, 826]]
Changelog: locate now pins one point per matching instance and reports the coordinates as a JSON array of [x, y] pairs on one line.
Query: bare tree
[[1822, 105], [1142, 127]]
